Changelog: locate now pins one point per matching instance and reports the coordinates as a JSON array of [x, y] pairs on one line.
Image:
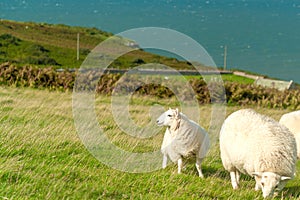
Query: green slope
[[42, 157], [47, 44]]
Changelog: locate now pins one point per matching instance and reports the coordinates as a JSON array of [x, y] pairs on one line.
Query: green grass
[[26, 52], [42, 157], [237, 79], [225, 78]]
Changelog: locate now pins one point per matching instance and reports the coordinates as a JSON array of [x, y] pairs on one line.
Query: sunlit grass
[[42, 157]]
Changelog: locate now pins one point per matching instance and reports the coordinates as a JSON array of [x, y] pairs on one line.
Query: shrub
[[36, 49], [8, 39], [41, 60]]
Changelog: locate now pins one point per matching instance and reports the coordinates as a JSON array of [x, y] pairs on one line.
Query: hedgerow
[[107, 84], [29, 76]]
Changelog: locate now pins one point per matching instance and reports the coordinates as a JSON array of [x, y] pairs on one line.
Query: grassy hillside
[[55, 45], [57, 42], [42, 157], [41, 154]]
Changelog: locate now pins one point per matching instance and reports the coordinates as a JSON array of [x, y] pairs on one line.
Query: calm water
[[262, 36]]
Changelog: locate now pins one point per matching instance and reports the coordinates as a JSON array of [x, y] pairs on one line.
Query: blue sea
[[261, 36]]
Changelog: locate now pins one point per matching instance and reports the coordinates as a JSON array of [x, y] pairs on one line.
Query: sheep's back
[[291, 121]]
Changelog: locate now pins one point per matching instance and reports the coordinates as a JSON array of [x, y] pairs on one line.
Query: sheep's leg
[[180, 164], [237, 176], [198, 166], [165, 161], [234, 181]]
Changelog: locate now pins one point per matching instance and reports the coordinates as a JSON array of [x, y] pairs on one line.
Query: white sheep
[[292, 122], [257, 145], [183, 138]]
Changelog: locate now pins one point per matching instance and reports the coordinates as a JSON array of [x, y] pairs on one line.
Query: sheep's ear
[[285, 178], [170, 108], [258, 174], [176, 112]]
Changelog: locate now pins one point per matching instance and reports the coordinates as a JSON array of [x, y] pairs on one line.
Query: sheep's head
[[169, 118], [270, 182]]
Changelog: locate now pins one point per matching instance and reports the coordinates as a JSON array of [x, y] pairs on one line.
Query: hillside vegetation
[[56, 45]]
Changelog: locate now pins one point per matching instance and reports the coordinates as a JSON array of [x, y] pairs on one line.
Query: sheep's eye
[[169, 115]]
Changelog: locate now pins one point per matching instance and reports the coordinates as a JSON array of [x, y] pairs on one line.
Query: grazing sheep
[[257, 145], [182, 138], [292, 122]]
